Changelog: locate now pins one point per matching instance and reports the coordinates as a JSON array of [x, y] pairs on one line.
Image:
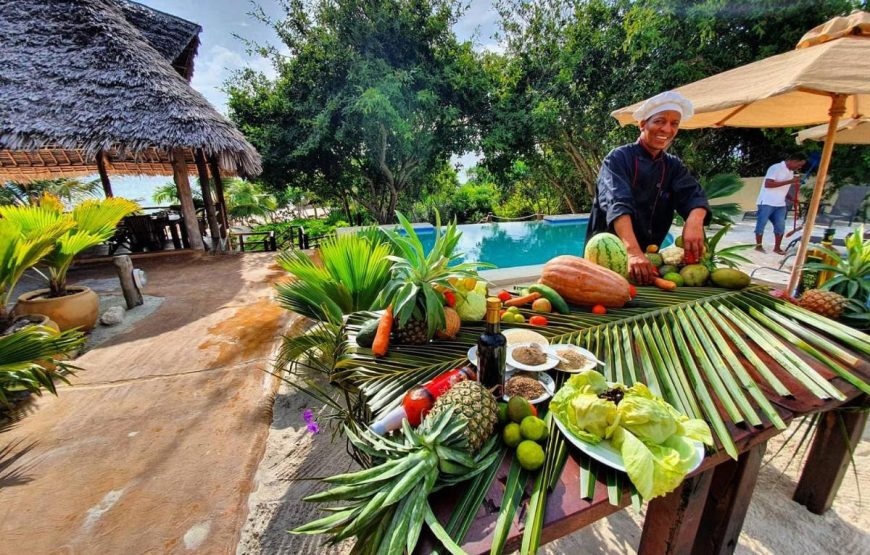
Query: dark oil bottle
[[492, 350]]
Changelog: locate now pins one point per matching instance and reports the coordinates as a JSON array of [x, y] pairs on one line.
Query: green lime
[[502, 413], [518, 408], [533, 428], [674, 277], [519, 318], [530, 455], [507, 317], [513, 309], [679, 241], [511, 435]]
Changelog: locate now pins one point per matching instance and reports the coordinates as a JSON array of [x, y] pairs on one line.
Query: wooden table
[[705, 514]]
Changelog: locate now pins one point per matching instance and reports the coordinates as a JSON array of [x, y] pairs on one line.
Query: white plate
[[606, 453], [591, 361], [523, 335], [550, 363], [548, 382]]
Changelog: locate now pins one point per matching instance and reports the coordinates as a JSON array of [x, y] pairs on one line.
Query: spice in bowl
[[573, 360], [531, 355], [524, 385]]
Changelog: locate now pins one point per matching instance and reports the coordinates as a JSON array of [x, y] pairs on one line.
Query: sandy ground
[[774, 525]]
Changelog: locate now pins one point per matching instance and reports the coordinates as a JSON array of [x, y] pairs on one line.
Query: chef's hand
[[693, 236], [640, 269]]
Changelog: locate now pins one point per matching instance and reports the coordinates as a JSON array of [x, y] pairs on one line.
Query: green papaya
[[366, 335], [729, 278]]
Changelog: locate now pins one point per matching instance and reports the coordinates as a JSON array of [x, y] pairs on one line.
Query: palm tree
[[246, 199], [68, 190]]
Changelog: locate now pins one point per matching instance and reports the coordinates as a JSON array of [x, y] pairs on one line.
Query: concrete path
[[154, 446]]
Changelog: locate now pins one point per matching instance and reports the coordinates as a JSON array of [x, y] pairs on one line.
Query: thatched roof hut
[[82, 77]]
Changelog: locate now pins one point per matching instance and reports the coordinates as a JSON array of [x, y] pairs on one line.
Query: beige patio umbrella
[[826, 76], [850, 131]]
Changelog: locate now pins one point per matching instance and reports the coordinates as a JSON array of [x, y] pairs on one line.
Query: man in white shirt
[[778, 181]]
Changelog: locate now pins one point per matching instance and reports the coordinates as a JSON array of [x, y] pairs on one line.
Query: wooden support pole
[[214, 228], [124, 267], [182, 183], [104, 176], [219, 191], [838, 108], [838, 433]]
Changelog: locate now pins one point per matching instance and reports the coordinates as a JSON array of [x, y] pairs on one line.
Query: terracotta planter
[[80, 308], [31, 320]]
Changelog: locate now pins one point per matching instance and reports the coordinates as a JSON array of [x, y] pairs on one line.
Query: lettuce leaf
[[655, 470]]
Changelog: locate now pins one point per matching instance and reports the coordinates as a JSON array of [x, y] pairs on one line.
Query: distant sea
[[139, 188]]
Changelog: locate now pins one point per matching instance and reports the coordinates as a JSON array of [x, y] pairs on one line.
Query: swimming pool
[[512, 244]]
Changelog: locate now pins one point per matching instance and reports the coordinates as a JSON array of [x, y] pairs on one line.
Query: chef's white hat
[[670, 100]]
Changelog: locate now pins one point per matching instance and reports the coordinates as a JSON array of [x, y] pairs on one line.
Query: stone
[[112, 316]]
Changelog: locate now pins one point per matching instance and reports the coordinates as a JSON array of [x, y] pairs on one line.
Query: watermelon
[[606, 249]]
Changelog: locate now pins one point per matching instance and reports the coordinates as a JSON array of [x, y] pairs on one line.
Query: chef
[[640, 186]]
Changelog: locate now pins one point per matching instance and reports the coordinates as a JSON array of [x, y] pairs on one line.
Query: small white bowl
[[546, 380], [591, 360], [551, 361]]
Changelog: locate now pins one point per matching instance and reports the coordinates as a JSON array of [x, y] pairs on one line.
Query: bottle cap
[[493, 302]]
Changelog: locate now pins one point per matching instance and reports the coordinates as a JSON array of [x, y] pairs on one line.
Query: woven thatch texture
[[176, 39], [77, 74]]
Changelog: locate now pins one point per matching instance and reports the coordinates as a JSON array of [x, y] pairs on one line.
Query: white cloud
[[213, 67]]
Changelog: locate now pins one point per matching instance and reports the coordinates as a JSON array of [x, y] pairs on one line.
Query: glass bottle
[[492, 350]]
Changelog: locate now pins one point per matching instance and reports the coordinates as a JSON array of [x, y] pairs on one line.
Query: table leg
[[184, 239], [829, 457], [176, 240], [730, 494], [672, 521]]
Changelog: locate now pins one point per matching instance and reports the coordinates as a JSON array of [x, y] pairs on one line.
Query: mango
[[729, 278], [695, 275]]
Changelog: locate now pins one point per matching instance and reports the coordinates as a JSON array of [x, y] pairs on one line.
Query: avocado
[[366, 335]]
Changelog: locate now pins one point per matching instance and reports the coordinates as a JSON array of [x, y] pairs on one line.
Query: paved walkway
[[154, 446]]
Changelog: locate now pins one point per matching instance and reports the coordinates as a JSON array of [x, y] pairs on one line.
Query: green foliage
[[26, 354], [89, 224], [714, 257], [370, 101], [168, 194], [246, 199], [67, 189], [352, 273], [850, 274]]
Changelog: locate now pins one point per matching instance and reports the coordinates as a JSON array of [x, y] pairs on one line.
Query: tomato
[[504, 296], [599, 309], [538, 321], [632, 291], [450, 297]]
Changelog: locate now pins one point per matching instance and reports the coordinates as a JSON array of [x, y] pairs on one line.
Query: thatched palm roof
[[77, 77], [176, 39]]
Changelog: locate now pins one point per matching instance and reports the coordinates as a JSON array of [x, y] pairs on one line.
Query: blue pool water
[[512, 244]]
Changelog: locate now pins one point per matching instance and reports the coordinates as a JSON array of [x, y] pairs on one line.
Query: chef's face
[[659, 130]]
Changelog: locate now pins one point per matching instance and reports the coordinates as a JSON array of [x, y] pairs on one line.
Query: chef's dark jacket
[[648, 189]]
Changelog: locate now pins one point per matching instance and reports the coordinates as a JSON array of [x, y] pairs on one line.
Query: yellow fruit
[[519, 318], [511, 435], [530, 455], [652, 249], [469, 283], [533, 428], [453, 281], [518, 408], [542, 305]]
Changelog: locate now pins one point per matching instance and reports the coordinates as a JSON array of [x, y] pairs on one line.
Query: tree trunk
[[182, 183], [219, 191], [214, 228], [104, 176]]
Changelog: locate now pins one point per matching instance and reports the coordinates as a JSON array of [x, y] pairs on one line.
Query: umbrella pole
[[838, 108]]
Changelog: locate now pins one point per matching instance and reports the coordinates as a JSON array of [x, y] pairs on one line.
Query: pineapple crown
[[411, 290]]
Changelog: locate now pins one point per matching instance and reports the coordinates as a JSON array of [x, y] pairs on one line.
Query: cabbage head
[[471, 307]]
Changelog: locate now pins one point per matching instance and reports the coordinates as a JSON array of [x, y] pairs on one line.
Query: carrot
[[519, 301], [382, 337], [664, 284]]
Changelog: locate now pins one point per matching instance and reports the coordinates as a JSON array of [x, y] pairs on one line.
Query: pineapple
[[826, 303], [418, 282], [386, 504]]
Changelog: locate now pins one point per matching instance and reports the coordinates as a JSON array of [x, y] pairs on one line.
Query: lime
[[519, 319], [511, 435], [533, 428], [502, 413], [530, 455], [507, 317], [518, 408], [679, 242], [513, 309]]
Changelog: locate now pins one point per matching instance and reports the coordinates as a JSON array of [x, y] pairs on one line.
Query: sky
[[222, 52]]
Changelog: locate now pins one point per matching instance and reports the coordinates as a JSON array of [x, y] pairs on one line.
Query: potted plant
[[90, 223], [19, 252]]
